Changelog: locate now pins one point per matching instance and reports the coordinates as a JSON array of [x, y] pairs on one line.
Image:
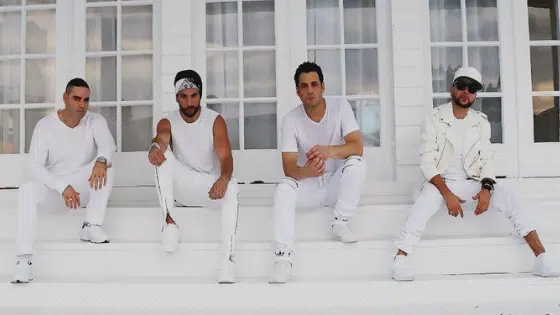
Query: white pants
[[175, 181], [430, 201], [35, 195], [341, 190]]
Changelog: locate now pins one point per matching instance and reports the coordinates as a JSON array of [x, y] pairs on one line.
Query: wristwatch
[[101, 160]]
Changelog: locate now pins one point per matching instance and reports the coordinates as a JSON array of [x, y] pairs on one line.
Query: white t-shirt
[[57, 150], [456, 170], [300, 133], [193, 143]]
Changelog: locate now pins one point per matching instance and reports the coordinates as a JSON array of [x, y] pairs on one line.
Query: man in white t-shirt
[[71, 154], [193, 163], [456, 160], [322, 160]]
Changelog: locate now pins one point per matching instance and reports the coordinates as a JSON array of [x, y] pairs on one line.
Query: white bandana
[[185, 83]]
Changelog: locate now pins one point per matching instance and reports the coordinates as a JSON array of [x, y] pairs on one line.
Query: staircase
[[474, 265]]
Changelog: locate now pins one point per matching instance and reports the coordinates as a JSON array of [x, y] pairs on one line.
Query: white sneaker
[[341, 231], [23, 272], [401, 271], [170, 237], [282, 269], [227, 272], [93, 233], [544, 267]]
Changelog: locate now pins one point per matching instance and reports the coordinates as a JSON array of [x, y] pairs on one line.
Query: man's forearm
[[226, 166], [297, 173], [344, 151], [163, 143], [440, 185]]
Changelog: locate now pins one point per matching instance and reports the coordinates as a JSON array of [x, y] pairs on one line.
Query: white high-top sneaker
[[401, 270], [23, 272], [341, 231], [93, 233], [282, 269], [170, 237], [227, 272], [544, 267]]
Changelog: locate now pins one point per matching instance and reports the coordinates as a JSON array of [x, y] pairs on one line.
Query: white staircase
[[473, 265]]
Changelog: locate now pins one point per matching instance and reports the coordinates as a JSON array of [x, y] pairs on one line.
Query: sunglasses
[[462, 85]]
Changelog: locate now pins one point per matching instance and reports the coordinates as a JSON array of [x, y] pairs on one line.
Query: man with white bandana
[[193, 163]]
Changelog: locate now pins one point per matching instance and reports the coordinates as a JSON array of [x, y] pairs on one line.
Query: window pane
[[10, 2], [9, 131], [487, 61], [323, 22], [10, 72], [221, 24], [101, 75], [361, 71], [368, 115], [260, 126], [492, 107], [230, 112], [32, 116], [101, 0], [137, 76], [101, 31], [546, 118], [545, 68], [110, 114], [543, 19], [258, 23], [482, 20], [259, 74], [40, 81], [137, 127], [440, 101], [360, 22], [40, 33], [445, 21], [445, 61], [10, 42], [137, 27], [40, 2], [222, 74], [329, 60]]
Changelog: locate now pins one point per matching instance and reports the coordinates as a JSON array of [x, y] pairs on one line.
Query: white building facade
[[393, 60]]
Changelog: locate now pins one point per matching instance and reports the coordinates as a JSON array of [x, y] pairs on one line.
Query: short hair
[[307, 67], [79, 82]]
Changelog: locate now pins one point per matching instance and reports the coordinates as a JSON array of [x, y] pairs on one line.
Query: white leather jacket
[[438, 144]]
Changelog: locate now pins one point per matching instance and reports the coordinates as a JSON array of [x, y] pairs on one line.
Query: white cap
[[471, 73]]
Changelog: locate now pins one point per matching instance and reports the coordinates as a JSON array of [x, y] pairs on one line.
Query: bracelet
[[154, 144]]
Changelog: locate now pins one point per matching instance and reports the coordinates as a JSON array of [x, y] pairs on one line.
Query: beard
[[457, 100], [190, 112]]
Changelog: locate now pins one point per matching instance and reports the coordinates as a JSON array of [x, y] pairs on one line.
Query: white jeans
[[175, 181], [35, 195], [341, 190], [430, 201]]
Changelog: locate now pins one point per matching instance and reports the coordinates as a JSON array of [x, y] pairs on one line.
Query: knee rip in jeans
[[353, 160], [289, 181]]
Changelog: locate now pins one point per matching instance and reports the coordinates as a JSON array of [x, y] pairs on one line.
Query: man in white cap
[[456, 161], [193, 163]]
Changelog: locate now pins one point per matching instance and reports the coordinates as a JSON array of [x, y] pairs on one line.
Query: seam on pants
[[232, 237], [162, 197]]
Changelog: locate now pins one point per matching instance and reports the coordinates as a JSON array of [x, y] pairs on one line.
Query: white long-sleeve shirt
[[57, 150]]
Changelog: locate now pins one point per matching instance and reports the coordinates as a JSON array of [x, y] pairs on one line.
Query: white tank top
[[193, 143]]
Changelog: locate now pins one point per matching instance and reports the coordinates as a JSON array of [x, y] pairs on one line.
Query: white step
[[446, 295], [373, 222], [313, 261]]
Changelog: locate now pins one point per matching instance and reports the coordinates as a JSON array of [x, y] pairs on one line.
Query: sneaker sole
[[89, 241]]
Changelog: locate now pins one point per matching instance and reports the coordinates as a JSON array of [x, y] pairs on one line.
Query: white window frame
[[131, 168], [291, 50], [506, 155]]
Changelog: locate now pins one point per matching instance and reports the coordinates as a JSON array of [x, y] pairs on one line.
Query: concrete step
[[372, 222], [444, 295], [313, 261]]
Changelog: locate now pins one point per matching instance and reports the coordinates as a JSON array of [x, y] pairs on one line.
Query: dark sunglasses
[[462, 85]]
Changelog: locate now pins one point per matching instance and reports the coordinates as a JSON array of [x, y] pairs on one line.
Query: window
[[342, 39], [241, 70], [545, 69], [119, 68], [465, 32], [27, 65]]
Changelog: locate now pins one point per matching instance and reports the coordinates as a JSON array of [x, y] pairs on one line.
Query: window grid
[[119, 53]]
